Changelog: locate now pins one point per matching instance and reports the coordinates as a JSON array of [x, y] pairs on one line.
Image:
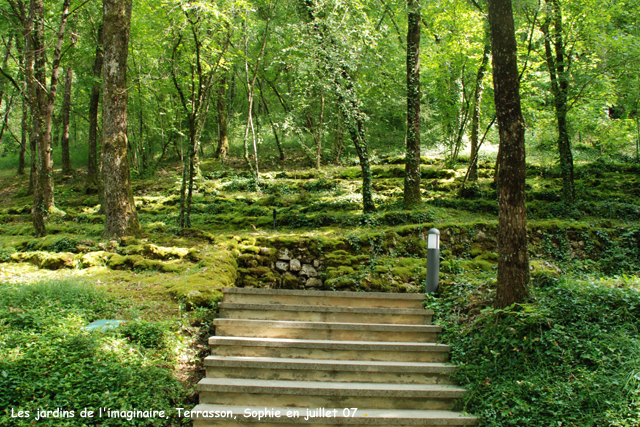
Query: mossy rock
[[340, 257], [476, 252], [289, 281], [334, 272], [58, 261], [544, 274], [487, 256], [156, 252], [410, 269], [202, 288], [95, 259], [120, 262]]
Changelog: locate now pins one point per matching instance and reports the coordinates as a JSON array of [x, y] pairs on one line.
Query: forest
[[153, 152]]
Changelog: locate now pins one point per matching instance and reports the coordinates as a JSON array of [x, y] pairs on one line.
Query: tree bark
[[66, 107], [223, 135], [92, 167], [42, 101], [121, 218], [513, 258], [412, 158], [475, 119], [24, 134], [558, 74], [273, 126]]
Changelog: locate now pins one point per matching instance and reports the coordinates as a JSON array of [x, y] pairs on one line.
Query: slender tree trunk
[[475, 119], [43, 101], [121, 218], [558, 73], [92, 167], [223, 137], [66, 107], [273, 126], [513, 257], [24, 134], [356, 130], [412, 159]]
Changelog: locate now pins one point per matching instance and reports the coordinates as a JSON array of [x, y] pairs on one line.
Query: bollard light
[[433, 260]]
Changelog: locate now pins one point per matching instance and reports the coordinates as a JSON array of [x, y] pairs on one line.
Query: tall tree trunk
[[412, 158], [513, 257], [24, 134], [43, 103], [475, 119], [221, 103], [66, 107], [92, 167], [273, 126], [121, 218], [558, 73]]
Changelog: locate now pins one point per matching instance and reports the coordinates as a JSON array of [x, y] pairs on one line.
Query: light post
[[433, 260]]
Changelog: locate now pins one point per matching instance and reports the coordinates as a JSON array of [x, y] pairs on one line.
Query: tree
[[121, 218], [558, 64], [195, 82], [66, 107], [92, 183], [513, 259], [335, 52], [412, 158], [42, 102]]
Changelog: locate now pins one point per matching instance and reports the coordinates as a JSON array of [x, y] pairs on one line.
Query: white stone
[[313, 283], [295, 265], [283, 255], [308, 270], [316, 263], [282, 266]]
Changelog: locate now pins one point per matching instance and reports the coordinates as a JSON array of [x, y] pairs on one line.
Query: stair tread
[[327, 325], [337, 294], [342, 365], [341, 345], [331, 388], [322, 309], [372, 416]]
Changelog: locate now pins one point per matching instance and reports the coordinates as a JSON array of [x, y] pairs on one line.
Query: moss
[[289, 281], [409, 269], [488, 256], [544, 274], [95, 259], [476, 252], [156, 252], [478, 264], [58, 261], [203, 287], [333, 272], [340, 257], [120, 262], [249, 249]]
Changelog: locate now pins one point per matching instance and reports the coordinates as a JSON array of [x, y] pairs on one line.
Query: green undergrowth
[[47, 361], [570, 356]]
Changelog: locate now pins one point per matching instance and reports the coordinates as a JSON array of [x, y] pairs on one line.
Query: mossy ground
[[167, 273]]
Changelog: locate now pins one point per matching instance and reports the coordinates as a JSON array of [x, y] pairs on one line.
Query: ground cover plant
[[575, 367]]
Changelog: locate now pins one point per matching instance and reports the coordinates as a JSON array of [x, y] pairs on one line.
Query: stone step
[[204, 415], [332, 350], [326, 330], [323, 298], [309, 313], [319, 394], [275, 368]]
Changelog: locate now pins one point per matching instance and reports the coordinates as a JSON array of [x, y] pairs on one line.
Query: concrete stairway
[[322, 354]]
